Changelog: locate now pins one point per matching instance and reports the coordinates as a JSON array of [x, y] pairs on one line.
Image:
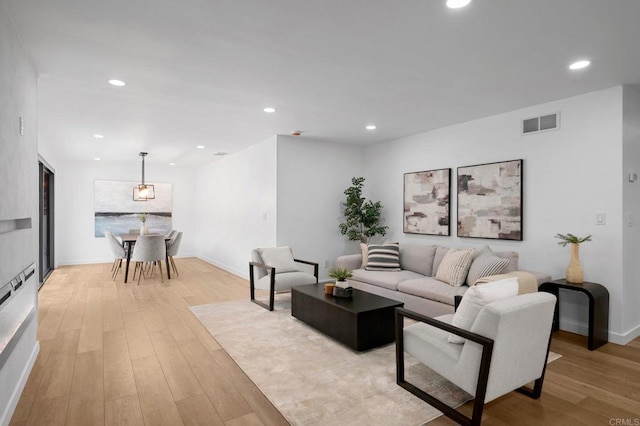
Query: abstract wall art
[[116, 211], [490, 201], [426, 202]]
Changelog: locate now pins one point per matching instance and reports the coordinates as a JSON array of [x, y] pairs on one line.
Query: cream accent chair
[[149, 251], [506, 348], [118, 253], [278, 271]]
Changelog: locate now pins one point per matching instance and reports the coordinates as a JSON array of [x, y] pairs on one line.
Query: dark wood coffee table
[[361, 322]]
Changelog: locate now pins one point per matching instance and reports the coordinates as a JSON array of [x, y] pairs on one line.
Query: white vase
[[143, 229]]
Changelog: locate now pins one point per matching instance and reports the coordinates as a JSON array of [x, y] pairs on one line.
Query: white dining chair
[[172, 250], [149, 251], [118, 253]]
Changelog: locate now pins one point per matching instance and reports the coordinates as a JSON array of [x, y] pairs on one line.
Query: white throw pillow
[[280, 258], [474, 300]]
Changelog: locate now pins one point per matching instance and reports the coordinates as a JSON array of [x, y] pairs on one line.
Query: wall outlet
[[601, 218]]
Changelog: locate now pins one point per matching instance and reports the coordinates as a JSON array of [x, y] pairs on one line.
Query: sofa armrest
[[349, 261]]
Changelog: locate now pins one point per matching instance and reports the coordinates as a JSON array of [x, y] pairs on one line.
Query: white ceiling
[[201, 71]]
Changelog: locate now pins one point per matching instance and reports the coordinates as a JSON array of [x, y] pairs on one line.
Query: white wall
[[569, 176], [312, 177], [631, 205], [75, 242], [18, 200], [236, 206]]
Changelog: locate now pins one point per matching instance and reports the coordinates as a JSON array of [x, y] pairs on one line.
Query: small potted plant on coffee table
[[340, 275]]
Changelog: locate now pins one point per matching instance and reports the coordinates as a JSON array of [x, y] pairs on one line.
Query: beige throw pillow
[[364, 249], [454, 267]]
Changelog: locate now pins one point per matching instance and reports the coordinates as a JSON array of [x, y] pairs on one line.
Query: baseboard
[[624, 338], [227, 268], [84, 262], [19, 387], [583, 329]]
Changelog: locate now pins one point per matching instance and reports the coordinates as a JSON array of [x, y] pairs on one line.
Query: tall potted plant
[[362, 217]]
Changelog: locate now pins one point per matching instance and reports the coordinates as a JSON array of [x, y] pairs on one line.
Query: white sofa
[[415, 284]]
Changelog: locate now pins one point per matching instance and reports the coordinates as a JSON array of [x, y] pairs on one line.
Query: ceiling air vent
[[541, 124]]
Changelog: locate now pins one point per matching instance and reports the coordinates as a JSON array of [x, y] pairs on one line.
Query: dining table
[[129, 240]]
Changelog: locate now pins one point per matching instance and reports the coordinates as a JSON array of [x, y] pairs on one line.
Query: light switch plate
[[601, 219]]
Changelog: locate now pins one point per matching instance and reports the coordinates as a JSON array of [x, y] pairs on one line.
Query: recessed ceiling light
[[97, 158], [457, 4], [200, 146], [578, 65], [118, 83], [98, 136], [371, 127], [269, 109], [172, 164]]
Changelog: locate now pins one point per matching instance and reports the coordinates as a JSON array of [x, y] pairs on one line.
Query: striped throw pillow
[[485, 266], [454, 267], [383, 257]]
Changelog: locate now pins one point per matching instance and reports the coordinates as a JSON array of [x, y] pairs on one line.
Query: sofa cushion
[[417, 258], [430, 288], [383, 257], [484, 266], [476, 298], [454, 267], [481, 251], [387, 280]]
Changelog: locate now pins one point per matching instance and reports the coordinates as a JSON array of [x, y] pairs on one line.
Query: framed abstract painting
[[426, 202], [490, 201], [116, 211]]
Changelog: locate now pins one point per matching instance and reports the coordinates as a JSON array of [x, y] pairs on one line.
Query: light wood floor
[[115, 353], [125, 354]]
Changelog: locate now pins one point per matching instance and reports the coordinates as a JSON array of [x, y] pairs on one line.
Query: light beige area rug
[[315, 380]]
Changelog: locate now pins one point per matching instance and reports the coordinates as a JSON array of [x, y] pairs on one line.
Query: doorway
[[46, 222]]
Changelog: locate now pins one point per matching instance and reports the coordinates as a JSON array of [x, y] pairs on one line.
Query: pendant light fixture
[[143, 192]]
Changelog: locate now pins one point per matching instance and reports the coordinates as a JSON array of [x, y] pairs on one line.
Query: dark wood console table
[[598, 308]]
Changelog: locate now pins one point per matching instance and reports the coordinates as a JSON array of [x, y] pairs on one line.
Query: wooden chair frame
[[483, 373], [272, 285]]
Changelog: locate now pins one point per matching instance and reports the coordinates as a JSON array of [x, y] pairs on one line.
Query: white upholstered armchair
[[506, 347], [277, 270]]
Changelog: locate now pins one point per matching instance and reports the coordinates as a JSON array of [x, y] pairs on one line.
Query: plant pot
[[575, 274], [143, 229]]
